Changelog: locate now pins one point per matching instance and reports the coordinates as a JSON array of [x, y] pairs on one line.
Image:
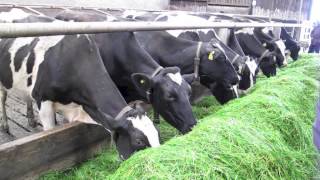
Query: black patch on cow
[[5, 59], [31, 58], [29, 81], [22, 53], [30, 62]]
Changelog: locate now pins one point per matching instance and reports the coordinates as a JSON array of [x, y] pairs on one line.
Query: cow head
[[134, 132], [169, 93], [278, 51], [268, 64], [248, 73], [131, 131], [223, 94], [215, 67], [290, 44], [294, 51]]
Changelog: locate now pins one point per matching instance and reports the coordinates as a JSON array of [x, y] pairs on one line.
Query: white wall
[[132, 4]]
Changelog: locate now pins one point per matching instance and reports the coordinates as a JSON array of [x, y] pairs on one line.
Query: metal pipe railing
[[11, 30]]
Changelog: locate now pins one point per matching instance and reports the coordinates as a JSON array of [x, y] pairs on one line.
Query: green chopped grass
[[266, 134]]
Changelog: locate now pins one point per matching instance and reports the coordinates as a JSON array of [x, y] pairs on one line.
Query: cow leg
[[30, 115], [156, 117], [47, 115], [4, 127]]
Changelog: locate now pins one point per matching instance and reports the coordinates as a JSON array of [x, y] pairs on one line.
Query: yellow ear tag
[[210, 57], [141, 81]]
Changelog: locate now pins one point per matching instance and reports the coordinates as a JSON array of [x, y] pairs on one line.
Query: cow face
[[223, 94], [136, 132], [215, 67], [268, 65], [248, 74], [278, 52], [294, 52], [133, 131], [281, 56], [169, 95]]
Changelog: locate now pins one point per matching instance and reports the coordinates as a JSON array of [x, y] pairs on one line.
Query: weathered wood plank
[[57, 149]]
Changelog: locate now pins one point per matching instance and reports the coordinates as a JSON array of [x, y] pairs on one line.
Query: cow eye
[[140, 143], [171, 98]]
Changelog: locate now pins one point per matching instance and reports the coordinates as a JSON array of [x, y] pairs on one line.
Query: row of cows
[[100, 78]]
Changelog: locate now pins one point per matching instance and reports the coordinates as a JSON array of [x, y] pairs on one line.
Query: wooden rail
[[57, 149]]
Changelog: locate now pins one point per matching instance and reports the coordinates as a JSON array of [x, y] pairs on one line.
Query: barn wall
[[132, 4], [286, 9], [226, 6]]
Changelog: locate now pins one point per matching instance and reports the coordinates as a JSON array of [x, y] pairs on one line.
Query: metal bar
[[300, 11], [30, 9], [10, 30], [98, 10]]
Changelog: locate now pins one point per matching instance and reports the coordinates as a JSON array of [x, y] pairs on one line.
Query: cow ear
[[142, 82], [189, 78]]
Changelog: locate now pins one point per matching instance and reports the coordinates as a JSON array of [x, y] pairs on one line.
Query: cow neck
[[174, 51], [234, 44], [252, 46], [262, 36], [123, 50]]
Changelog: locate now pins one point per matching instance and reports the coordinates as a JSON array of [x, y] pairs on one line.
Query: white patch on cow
[[46, 114], [20, 77], [14, 14], [251, 80], [110, 18], [235, 90], [245, 30], [145, 125], [181, 18], [281, 46], [132, 13], [252, 66], [177, 78], [266, 30]]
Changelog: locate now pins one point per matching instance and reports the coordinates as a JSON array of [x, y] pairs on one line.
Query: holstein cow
[[206, 60], [290, 44], [66, 74], [241, 63], [273, 44], [249, 43], [138, 76]]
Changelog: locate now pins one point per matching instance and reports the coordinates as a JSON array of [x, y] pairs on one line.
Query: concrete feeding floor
[[17, 119]]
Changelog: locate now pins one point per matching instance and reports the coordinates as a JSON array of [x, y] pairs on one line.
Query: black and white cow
[[249, 43], [66, 74], [272, 44], [290, 44], [179, 52], [214, 66], [138, 76], [241, 63]]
